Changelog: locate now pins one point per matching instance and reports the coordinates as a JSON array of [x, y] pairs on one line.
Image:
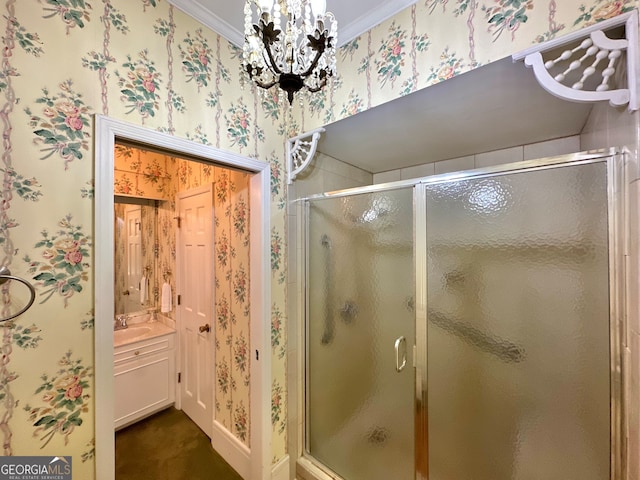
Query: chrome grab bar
[[400, 365], [5, 274]]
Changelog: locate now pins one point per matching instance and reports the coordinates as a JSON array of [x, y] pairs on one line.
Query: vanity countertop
[[140, 331]]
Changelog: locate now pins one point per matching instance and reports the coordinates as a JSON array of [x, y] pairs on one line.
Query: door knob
[[204, 328], [126, 292]]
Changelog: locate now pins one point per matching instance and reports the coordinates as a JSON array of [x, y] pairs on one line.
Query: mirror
[[144, 230], [135, 256]]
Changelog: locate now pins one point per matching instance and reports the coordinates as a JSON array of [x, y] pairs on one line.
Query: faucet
[[153, 314], [121, 322]]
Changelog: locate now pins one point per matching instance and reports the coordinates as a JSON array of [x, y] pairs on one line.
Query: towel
[[144, 287], [165, 304]]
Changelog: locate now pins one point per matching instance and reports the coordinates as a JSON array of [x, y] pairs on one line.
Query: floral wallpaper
[[147, 63], [64, 403], [231, 211], [434, 40], [144, 62], [140, 173]]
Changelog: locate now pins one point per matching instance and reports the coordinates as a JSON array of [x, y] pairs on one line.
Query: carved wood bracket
[[300, 152], [588, 65]]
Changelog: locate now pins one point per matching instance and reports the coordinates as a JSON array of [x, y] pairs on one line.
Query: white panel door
[[133, 258], [195, 311]]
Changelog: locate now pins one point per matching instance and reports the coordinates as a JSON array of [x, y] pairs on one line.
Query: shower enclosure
[[467, 326]]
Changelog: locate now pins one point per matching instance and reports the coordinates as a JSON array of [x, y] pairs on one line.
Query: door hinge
[[177, 220], [179, 376], [179, 299]]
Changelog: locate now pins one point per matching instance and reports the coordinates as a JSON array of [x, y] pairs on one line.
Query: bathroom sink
[[130, 334], [140, 331]]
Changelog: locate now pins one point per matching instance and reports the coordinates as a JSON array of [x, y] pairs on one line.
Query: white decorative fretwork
[[300, 152], [590, 66]]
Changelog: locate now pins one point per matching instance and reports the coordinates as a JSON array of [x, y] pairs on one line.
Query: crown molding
[[370, 19], [346, 32], [210, 19]]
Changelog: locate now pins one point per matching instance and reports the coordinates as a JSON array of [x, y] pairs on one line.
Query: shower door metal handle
[[401, 363]]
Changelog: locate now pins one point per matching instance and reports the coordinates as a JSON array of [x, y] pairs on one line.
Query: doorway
[[480, 316], [255, 464]]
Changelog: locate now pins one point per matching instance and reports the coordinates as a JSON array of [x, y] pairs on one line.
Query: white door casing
[[107, 132], [195, 310]]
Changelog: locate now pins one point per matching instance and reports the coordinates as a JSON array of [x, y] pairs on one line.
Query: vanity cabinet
[[144, 383]]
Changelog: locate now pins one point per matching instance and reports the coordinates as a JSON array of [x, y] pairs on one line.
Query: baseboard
[[280, 470], [235, 453]]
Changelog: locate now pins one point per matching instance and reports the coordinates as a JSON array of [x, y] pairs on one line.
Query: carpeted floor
[[168, 446]]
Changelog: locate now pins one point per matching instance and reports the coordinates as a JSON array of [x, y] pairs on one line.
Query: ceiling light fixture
[[301, 53]]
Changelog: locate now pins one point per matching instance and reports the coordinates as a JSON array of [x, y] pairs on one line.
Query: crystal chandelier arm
[[596, 57], [266, 86], [272, 61], [319, 47], [268, 36], [319, 87], [300, 152], [313, 65]]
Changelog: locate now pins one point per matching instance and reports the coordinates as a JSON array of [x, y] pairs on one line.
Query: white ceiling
[[492, 107], [354, 17]]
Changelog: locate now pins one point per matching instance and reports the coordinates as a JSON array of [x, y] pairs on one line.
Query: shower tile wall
[[453, 165], [325, 174], [609, 126], [549, 148], [499, 157]]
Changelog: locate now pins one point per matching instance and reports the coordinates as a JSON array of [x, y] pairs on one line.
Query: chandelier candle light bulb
[[266, 5], [318, 7], [285, 47]]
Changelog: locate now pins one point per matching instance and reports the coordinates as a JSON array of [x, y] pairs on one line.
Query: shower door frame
[[617, 244], [617, 209], [307, 467]]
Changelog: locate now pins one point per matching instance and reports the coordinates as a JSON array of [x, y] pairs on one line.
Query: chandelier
[[292, 44]]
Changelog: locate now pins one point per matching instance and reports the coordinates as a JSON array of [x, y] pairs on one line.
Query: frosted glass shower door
[[518, 326], [360, 330]]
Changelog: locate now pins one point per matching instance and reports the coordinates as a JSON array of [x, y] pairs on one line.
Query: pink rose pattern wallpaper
[[62, 128], [62, 269], [231, 257], [65, 399], [434, 40], [145, 62]]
